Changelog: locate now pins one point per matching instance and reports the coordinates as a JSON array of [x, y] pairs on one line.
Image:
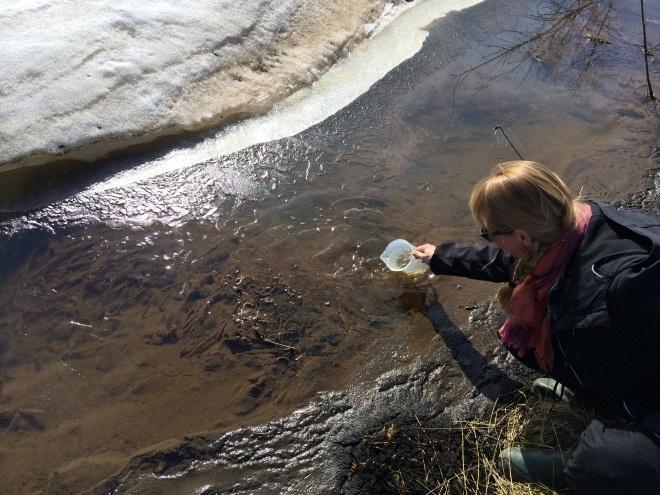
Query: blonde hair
[[528, 196]]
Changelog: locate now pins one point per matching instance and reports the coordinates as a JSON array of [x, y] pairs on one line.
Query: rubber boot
[[549, 388], [542, 466]]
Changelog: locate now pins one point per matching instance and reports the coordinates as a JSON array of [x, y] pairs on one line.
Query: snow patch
[[79, 71]]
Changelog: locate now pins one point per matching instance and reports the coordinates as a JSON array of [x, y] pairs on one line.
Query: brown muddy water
[[258, 288]]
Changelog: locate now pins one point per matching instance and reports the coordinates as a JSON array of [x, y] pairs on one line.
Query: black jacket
[[604, 309]]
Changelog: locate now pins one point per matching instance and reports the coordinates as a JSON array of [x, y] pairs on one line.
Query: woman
[[582, 296]]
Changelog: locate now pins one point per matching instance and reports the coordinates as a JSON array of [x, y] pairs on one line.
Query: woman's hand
[[424, 252]]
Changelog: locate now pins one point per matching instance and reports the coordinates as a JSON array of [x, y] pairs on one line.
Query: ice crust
[[81, 77]]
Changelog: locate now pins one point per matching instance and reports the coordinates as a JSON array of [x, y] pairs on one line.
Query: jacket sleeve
[[476, 261]]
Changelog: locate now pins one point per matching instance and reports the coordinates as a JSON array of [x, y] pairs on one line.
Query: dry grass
[[461, 458]]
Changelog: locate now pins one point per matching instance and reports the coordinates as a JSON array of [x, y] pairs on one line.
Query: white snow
[[78, 72]]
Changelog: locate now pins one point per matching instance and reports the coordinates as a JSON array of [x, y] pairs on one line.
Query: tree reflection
[[564, 35]]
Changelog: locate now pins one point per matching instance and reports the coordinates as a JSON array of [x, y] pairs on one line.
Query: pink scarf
[[527, 325]]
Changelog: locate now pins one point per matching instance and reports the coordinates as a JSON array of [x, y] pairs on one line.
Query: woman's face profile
[[513, 243]]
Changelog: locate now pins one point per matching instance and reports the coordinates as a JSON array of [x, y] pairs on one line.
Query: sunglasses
[[489, 235]]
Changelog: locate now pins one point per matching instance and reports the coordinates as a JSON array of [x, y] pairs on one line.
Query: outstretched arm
[[476, 261]]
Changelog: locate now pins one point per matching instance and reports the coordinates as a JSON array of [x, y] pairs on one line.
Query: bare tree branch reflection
[[568, 35]]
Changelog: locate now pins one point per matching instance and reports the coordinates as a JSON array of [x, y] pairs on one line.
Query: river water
[[230, 293]]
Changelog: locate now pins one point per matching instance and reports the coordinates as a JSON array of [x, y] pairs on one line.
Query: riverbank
[[459, 454], [85, 81]]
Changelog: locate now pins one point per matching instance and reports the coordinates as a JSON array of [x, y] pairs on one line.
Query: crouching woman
[[582, 296]]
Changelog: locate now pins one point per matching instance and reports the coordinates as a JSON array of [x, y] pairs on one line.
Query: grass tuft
[[460, 458]]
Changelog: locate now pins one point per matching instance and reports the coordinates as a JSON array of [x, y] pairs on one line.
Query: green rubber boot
[[549, 388], [542, 466]]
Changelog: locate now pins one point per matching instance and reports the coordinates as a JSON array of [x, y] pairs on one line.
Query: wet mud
[[244, 297]]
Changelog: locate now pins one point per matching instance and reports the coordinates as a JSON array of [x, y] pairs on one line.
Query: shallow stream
[[233, 292]]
